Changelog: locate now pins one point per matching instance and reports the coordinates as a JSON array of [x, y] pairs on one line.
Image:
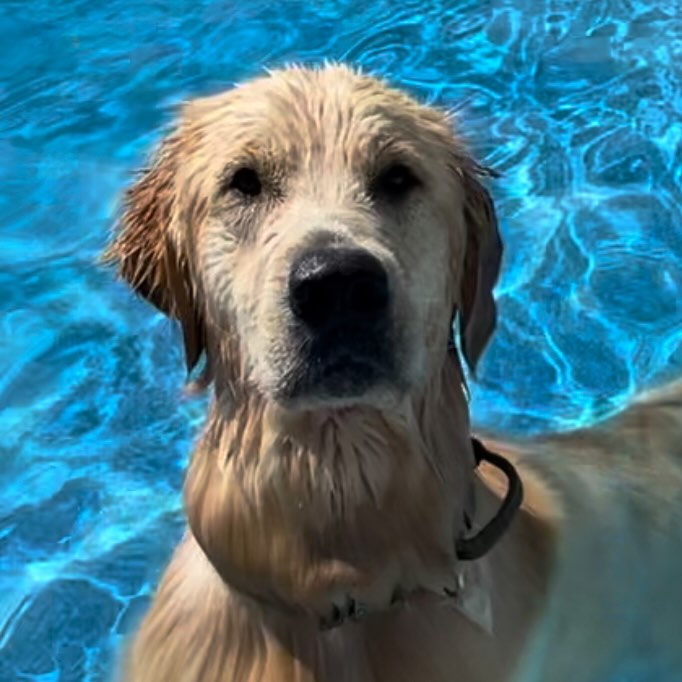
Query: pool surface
[[578, 104]]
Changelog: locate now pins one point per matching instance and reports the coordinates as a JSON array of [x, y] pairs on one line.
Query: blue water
[[578, 104]]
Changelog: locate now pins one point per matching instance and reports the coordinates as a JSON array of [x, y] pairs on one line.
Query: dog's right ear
[[146, 254]]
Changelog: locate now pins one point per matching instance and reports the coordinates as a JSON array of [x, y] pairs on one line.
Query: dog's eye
[[395, 181], [246, 182]]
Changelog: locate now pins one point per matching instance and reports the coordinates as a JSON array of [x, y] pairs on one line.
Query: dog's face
[[325, 224]]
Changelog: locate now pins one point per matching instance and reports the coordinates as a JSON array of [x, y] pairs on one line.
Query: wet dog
[[315, 233]]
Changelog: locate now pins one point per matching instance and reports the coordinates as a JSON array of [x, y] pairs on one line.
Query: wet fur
[[291, 507]]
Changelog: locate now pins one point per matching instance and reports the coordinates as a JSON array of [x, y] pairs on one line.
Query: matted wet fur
[[324, 474]]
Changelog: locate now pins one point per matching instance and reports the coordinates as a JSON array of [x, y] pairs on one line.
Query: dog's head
[[314, 231]]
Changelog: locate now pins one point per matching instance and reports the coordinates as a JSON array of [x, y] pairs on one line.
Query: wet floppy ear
[[146, 255], [482, 261]]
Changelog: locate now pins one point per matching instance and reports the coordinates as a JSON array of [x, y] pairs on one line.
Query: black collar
[[471, 548]]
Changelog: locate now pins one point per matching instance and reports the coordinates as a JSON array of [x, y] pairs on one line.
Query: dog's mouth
[[341, 364]]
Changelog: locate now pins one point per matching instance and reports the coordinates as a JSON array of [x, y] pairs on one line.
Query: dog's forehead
[[318, 110]]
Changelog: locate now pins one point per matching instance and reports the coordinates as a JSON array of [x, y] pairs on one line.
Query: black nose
[[337, 285]]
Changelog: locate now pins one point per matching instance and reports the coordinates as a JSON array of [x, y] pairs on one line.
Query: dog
[[316, 233]]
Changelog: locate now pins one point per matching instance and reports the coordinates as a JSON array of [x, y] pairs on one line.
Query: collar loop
[[472, 548]]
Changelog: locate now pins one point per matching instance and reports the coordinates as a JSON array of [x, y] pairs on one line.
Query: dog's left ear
[[482, 261]]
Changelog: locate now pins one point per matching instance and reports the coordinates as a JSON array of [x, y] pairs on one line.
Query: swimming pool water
[[578, 104]]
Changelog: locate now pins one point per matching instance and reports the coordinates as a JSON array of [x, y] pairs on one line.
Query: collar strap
[[472, 548]]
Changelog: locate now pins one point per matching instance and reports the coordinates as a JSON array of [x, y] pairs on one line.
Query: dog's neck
[[289, 508]]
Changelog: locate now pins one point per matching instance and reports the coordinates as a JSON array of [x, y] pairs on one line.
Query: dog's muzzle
[[340, 301]]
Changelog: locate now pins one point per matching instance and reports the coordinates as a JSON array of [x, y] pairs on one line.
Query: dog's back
[[615, 492]]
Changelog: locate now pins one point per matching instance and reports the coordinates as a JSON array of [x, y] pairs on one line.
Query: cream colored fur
[[294, 504]]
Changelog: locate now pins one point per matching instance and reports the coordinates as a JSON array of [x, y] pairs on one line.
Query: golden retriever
[[316, 233]]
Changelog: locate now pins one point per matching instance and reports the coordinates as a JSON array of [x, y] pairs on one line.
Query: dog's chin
[[342, 381]]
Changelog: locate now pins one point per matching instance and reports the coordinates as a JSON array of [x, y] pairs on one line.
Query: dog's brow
[[263, 157], [392, 150]]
